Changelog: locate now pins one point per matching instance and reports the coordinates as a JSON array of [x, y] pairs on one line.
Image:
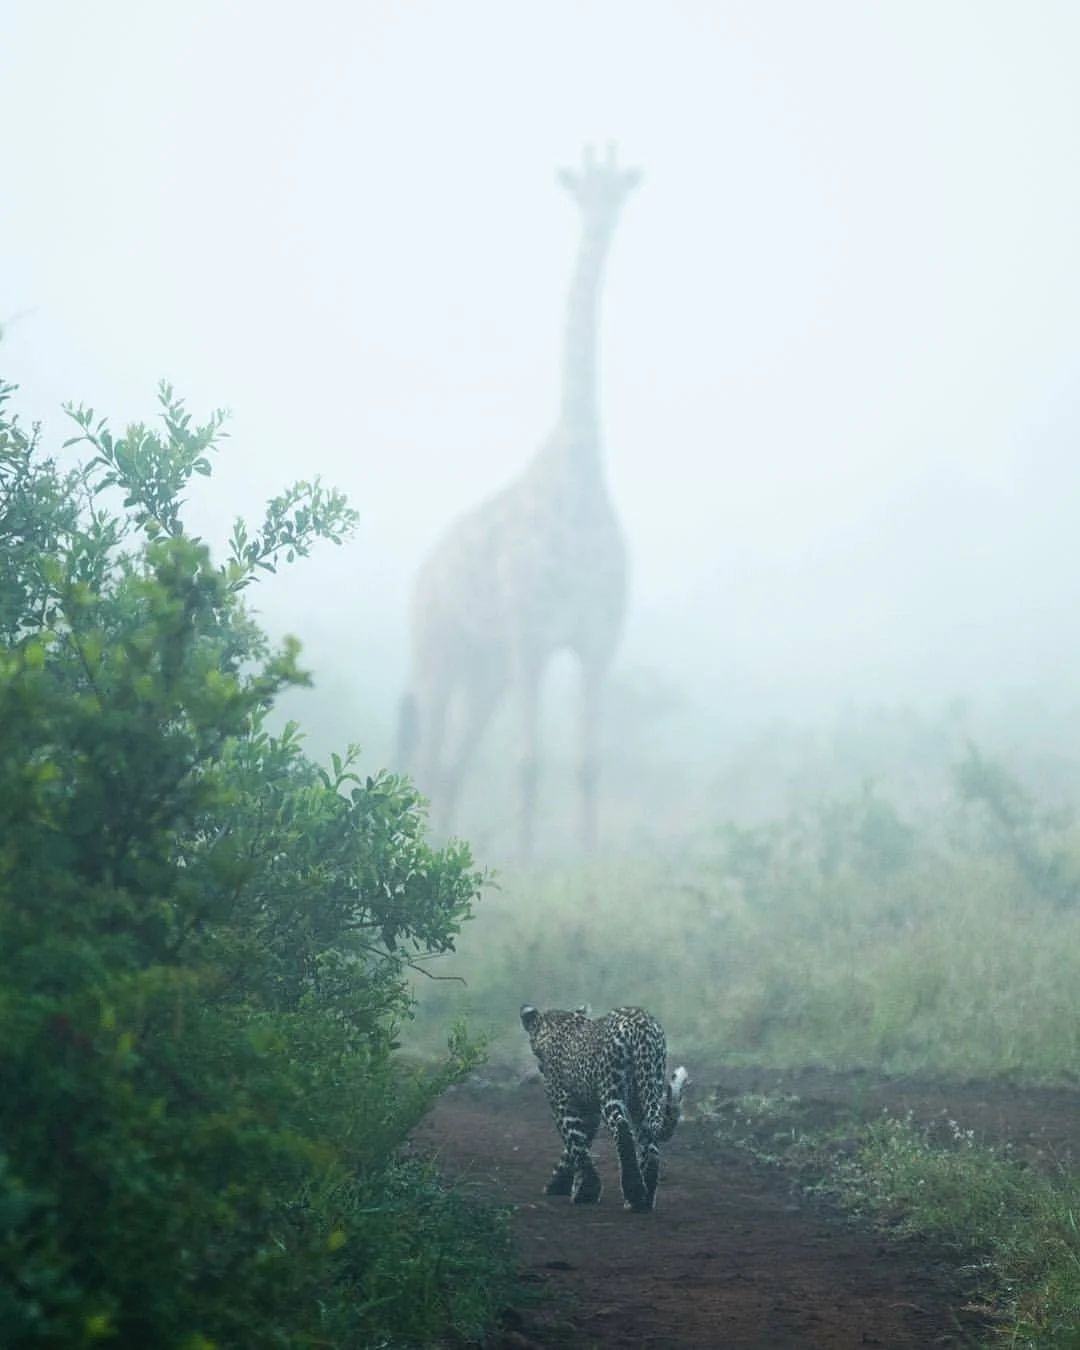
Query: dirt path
[[730, 1258]]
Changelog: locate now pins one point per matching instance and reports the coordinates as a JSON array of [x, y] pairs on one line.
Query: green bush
[[204, 941]]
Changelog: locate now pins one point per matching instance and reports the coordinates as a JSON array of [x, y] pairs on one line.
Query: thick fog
[[840, 329]]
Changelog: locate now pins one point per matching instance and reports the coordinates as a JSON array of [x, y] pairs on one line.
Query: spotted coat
[[610, 1069]]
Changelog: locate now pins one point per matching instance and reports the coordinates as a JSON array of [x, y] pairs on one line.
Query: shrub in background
[[847, 936]]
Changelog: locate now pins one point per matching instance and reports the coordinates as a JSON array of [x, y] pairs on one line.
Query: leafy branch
[[150, 469], [293, 521]]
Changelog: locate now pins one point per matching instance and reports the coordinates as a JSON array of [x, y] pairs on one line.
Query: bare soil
[[732, 1256]]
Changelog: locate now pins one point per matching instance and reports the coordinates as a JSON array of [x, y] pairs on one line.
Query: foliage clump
[[204, 939], [848, 934]]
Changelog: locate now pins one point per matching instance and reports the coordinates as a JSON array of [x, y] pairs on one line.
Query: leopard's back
[[637, 1056], [621, 1056], [575, 1055]]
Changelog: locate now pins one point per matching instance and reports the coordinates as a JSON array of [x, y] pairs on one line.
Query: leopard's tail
[[672, 1112]]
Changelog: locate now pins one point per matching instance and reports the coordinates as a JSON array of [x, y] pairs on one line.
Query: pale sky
[[841, 326]]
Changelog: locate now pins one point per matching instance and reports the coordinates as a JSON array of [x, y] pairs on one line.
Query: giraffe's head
[[600, 188]]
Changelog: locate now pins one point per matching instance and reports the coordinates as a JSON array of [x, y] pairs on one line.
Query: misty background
[[840, 340]]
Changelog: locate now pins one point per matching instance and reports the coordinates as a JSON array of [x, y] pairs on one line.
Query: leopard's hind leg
[[649, 1162], [650, 1102], [617, 1119]]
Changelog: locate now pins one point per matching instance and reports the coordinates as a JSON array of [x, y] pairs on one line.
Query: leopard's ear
[[529, 1016], [585, 1009]]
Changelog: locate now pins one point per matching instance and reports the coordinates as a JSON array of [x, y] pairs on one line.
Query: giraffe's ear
[[529, 1017]]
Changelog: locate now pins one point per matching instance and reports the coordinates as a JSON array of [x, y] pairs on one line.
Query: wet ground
[[732, 1256]]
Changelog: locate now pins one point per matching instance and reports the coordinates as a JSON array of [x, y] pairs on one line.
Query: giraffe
[[538, 568]]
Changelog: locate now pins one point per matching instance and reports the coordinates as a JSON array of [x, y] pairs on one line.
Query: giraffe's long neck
[[580, 413]]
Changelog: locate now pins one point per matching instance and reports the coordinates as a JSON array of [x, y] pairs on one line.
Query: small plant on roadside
[[1012, 1224]]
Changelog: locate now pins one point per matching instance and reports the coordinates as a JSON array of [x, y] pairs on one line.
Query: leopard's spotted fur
[[613, 1069]]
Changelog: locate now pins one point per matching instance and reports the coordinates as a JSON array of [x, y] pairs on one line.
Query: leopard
[[610, 1069]]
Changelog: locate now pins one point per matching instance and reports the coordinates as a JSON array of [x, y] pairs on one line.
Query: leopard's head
[[546, 1029]]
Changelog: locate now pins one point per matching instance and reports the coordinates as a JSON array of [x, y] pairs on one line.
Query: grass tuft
[[1014, 1226]]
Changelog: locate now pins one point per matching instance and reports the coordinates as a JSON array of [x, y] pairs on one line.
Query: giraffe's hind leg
[[592, 681], [429, 714], [478, 703], [528, 679]]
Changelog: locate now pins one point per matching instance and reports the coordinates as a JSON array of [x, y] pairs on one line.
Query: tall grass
[[849, 939]]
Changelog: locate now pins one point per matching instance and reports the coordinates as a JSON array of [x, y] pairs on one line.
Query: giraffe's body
[[538, 568]]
